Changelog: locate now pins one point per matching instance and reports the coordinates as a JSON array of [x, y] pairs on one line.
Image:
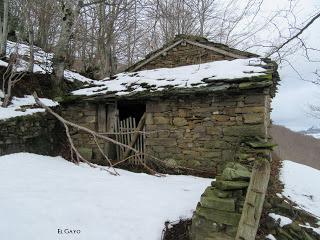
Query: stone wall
[[219, 211], [38, 133], [84, 114], [182, 55], [204, 132]]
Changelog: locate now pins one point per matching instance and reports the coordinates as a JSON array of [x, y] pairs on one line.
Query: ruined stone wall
[[38, 133], [182, 55], [84, 114], [205, 132]]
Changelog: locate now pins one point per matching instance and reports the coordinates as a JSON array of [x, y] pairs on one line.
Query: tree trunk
[[4, 27], [60, 52]]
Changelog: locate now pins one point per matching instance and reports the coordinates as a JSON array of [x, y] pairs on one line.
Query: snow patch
[[15, 108], [282, 219], [270, 237], [42, 194], [300, 186]]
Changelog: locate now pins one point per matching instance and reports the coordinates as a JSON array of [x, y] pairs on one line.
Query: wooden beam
[[253, 204], [156, 55], [102, 118], [218, 50]]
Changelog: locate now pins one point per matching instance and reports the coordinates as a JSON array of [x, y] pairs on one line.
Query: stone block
[[223, 204], [245, 130], [161, 120], [161, 142], [178, 121], [223, 217], [255, 109], [253, 118], [231, 185], [236, 174]]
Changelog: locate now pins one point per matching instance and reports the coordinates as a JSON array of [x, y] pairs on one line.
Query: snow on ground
[[315, 135], [301, 185], [42, 60], [282, 219], [179, 77], [15, 108], [41, 194]]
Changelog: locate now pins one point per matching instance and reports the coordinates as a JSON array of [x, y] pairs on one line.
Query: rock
[[231, 185], [223, 204], [86, 153], [235, 174], [178, 121], [223, 217]]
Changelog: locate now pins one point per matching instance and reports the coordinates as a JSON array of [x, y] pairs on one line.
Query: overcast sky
[[291, 104]]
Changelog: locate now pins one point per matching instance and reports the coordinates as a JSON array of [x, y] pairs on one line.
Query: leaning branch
[[296, 35]]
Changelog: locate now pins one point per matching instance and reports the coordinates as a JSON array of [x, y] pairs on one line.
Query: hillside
[[296, 146]]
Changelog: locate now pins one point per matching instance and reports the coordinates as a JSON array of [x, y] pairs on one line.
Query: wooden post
[[253, 205], [112, 115], [102, 118]]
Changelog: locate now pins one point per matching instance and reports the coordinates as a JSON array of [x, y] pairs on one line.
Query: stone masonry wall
[[38, 133], [182, 55], [84, 114], [201, 132], [206, 132]]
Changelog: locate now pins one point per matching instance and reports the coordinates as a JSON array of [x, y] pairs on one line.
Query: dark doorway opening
[[131, 109]]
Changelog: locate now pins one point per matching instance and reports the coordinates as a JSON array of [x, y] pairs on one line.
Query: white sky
[[291, 105]]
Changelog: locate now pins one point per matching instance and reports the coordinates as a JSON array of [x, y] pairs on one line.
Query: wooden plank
[[102, 118], [253, 205], [218, 50], [112, 117], [117, 138]]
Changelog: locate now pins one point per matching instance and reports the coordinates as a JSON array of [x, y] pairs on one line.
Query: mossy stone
[[223, 204], [231, 185], [223, 217]]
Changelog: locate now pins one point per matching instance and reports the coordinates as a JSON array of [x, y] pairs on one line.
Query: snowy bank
[[301, 186], [23, 106], [41, 194]]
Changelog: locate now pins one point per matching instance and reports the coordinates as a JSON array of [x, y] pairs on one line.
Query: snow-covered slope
[[42, 60], [312, 131], [41, 194], [301, 185]]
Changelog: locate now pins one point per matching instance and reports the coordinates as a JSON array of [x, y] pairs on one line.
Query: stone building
[[202, 104]]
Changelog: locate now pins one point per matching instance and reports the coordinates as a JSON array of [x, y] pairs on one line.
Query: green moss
[[68, 98]]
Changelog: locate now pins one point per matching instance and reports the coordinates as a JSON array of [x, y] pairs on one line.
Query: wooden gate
[[131, 133]]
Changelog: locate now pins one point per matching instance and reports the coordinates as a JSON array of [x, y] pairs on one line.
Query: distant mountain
[[295, 146], [312, 131]]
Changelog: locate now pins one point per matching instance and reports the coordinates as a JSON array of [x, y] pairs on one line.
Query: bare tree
[[4, 10], [10, 77]]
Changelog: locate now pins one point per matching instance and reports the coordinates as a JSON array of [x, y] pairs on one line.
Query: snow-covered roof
[[192, 77]]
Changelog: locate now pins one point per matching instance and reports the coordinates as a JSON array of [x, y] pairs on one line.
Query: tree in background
[[4, 12]]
